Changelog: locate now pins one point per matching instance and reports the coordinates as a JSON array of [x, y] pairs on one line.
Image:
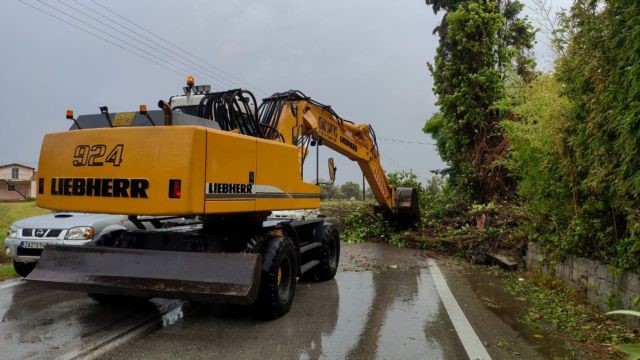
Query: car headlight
[[13, 231], [80, 233]]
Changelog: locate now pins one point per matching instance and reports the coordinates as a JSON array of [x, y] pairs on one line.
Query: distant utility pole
[[363, 193]]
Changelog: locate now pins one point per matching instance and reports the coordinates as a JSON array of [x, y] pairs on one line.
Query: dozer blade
[[219, 277]]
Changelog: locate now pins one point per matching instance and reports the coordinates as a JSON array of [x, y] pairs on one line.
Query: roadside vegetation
[[550, 157], [10, 212], [449, 223], [560, 151], [552, 306]]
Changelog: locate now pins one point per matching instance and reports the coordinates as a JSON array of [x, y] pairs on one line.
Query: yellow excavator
[[223, 165]]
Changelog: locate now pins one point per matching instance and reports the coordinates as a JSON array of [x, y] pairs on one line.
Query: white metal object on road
[[468, 337]]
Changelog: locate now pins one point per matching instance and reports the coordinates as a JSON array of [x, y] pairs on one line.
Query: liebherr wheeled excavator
[[215, 157]]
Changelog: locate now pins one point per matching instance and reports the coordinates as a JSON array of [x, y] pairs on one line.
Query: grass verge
[[553, 306], [6, 271], [10, 212]]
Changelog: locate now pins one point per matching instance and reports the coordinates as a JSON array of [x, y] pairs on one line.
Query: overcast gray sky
[[367, 59]]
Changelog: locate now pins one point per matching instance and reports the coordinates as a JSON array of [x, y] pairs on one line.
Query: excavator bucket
[[219, 277], [407, 206]]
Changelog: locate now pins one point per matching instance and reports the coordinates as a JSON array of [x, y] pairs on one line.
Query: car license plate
[[34, 244]]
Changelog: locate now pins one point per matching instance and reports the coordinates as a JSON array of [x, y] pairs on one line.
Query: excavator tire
[[329, 256], [23, 269], [279, 275]]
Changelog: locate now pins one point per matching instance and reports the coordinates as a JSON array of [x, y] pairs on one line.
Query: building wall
[[25, 182], [24, 173], [24, 187], [601, 284]]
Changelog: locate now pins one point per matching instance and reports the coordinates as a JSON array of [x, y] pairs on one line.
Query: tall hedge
[[576, 148], [601, 78]]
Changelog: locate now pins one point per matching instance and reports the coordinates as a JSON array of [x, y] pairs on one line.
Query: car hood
[[65, 220]]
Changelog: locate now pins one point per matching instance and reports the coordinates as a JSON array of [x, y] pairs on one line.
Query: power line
[[118, 41], [178, 47], [101, 38], [158, 60], [181, 60], [117, 30], [405, 141], [163, 63], [108, 34]]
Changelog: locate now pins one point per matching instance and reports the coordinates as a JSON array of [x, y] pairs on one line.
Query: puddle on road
[[383, 314], [359, 315], [39, 323]]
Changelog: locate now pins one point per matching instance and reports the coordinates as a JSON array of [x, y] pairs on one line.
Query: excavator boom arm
[[298, 118], [353, 141]]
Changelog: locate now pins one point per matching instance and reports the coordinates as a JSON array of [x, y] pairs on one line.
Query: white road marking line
[[10, 283], [468, 337]]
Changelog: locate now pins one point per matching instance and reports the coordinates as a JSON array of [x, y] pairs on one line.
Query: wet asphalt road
[[383, 304]]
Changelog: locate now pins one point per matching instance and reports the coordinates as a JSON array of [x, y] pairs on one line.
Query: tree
[[434, 184], [329, 191], [369, 195], [536, 158], [481, 44], [351, 190], [404, 179]]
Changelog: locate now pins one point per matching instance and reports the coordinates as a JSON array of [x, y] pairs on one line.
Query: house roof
[[14, 164]]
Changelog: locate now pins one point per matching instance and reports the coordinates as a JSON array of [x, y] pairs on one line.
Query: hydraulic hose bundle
[[232, 109], [271, 109], [237, 109]]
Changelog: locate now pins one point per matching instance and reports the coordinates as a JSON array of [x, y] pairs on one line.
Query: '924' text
[[94, 155]]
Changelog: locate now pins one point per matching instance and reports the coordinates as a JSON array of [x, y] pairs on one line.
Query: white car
[[27, 238]]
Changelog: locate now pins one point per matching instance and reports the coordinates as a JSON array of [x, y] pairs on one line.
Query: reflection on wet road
[[39, 323], [383, 314], [385, 306]]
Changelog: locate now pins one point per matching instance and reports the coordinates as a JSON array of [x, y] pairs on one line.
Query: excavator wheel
[[23, 269], [279, 275], [329, 256]]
